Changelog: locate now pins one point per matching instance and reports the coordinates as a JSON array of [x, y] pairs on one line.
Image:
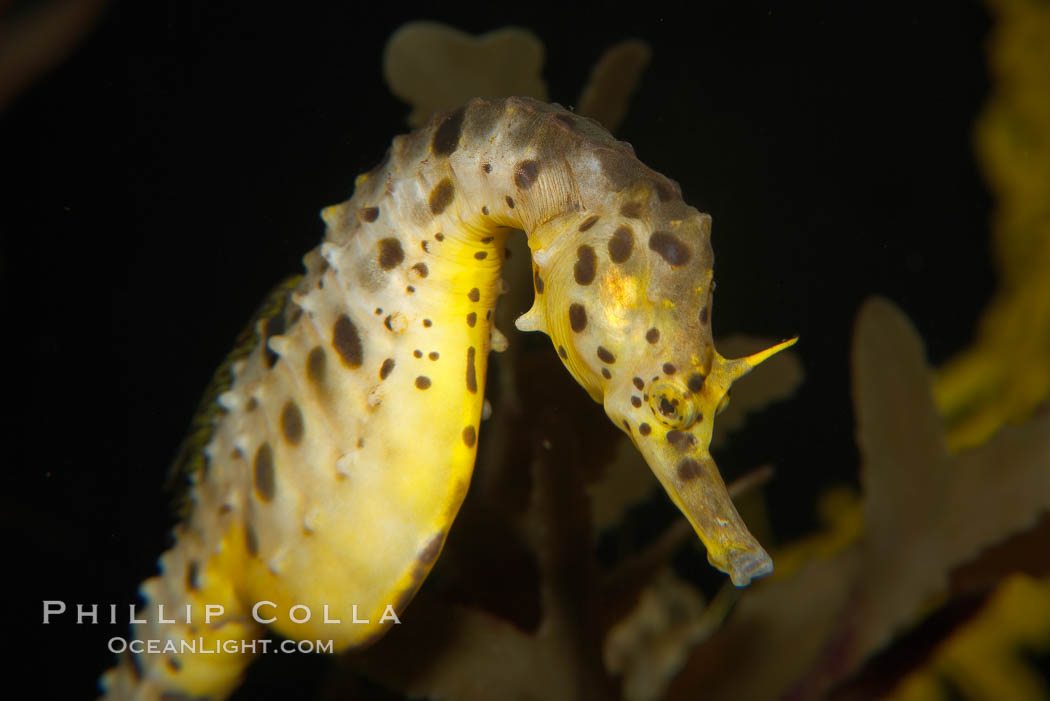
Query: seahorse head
[[627, 301]]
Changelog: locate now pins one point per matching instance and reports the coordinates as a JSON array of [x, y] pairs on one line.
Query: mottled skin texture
[[349, 435]]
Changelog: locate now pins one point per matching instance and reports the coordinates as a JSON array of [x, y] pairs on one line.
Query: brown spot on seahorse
[[446, 136], [390, 254], [688, 469], [621, 244], [470, 436], [292, 422], [472, 377], [441, 196], [577, 317], [347, 342], [526, 173], [262, 468], [586, 265], [670, 248]]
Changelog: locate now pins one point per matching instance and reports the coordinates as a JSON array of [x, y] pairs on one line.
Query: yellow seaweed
[[433, 66], [981, 658], [1006, 373], [846, 594], [614, 78]]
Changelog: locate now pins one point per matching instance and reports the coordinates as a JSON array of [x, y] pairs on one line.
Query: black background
[[172, 169]]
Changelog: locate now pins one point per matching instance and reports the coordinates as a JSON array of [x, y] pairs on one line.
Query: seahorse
[[346, 439]]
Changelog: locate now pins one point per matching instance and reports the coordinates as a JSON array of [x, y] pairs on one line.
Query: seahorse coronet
[[350, 428]]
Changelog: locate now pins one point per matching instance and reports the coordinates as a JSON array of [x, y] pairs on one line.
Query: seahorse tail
[[185, 647]]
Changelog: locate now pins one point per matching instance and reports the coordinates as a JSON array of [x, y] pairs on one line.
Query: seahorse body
[[350, 432]]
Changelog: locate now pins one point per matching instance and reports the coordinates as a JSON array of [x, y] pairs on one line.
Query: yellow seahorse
[[349, 432]]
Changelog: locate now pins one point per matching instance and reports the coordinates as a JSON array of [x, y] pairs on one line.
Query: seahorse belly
[[349, 457], [350, 432]]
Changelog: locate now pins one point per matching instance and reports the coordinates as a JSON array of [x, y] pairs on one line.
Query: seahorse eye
[[672, 404]]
